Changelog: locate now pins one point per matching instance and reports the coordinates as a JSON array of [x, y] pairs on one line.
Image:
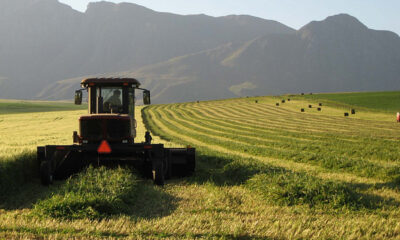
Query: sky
[[376, 14]]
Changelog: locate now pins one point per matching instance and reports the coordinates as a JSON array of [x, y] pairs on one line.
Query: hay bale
[[346, 114], [309, 106], [320, 104], [302, 110], [288, 99], [353, 111], [283, 101], [256, 101], [319, 109], [277, 104]]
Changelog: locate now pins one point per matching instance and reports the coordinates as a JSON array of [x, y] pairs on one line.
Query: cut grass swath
[[94, 194]]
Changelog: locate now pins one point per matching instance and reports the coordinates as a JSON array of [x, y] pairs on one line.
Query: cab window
[[112, 99]]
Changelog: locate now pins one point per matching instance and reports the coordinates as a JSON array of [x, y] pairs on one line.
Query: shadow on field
[[228, 171], [394, 184], [95, 193], [284, 187], [152, 202], [27, 195], [17, 170], [18, 177]]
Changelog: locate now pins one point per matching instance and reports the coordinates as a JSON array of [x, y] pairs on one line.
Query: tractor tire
[[40, 155], [46, 175], [158, 173], [167, 165], [190, 162]]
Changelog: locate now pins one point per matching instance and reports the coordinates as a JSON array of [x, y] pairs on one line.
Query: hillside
[[334, 55], [44, 41], [46, 48], [263, 172]]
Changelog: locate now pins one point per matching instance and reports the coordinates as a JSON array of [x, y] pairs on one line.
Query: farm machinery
[[107, 137]]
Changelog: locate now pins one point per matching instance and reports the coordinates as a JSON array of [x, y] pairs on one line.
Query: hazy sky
[[376, 14]]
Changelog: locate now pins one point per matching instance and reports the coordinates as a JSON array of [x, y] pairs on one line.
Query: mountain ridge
[[187, 57]]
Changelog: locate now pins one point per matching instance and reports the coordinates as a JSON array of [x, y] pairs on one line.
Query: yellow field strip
[[244, 128], [320, 172], [191, 123], [303, 121], [314, 170], [367, 132]]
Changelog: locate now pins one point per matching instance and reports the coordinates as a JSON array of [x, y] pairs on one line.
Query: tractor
[[107, 137]]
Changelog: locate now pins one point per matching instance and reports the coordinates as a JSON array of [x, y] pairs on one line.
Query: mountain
[[336, 54], [32, 34], [187, 58], [44, 41]]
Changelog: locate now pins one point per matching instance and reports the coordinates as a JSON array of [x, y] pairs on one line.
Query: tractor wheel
[[158, 173], [187, 169], [167, 165], [40, 155], [190, 162], [46, 176]]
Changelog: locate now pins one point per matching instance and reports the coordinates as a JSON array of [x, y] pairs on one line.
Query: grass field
[[380, 101], [21, 106], [263, 172]]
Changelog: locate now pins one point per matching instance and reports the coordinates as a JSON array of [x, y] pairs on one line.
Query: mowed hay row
[[331, 144], [384, 130], [291, 153], [306, 120], [278, 135], [367, 159], [353, 160], [199, 127], [255, 136], [294, 121]]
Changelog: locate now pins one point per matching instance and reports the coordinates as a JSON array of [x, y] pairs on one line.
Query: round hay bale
[[320, 104], [302, 110], [277, 104], [283, 101], [309, 106], [319, 109], [346, 114], [353, 111], [288, 99]]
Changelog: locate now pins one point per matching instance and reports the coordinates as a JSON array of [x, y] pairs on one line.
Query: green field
[[381, 101], [21, 106], [263, 172]]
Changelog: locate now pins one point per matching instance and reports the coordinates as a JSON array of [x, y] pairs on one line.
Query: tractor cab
[[111, 108]]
